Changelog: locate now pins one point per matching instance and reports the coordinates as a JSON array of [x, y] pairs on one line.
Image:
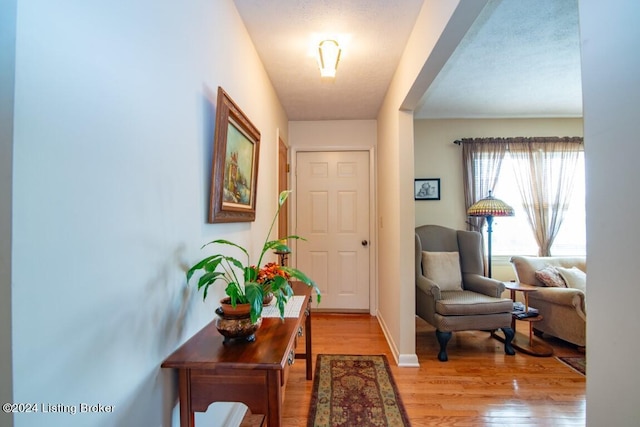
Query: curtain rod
[[579, 139]]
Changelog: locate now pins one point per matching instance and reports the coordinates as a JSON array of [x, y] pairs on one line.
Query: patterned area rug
[[350, 391], [579, 363]]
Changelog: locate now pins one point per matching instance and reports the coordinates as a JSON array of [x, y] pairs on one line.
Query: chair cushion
[[574, 278], [443, 268], [550, 276], [464, 303]]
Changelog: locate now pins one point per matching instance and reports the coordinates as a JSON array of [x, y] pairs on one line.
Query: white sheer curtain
[[545, 170]]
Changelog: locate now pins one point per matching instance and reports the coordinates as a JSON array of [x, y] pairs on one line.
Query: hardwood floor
[[478, 386]]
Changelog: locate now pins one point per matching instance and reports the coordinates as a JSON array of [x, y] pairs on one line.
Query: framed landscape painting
[[234, 172]]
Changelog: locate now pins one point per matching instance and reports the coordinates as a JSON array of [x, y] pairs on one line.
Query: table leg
[[519, 342], [530, 334], [526, 310], [307, 330], [187, 418], [513, 319], [274, 399]]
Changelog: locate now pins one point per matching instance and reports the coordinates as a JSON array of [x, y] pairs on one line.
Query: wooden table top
[[207, 349], [517, 286]]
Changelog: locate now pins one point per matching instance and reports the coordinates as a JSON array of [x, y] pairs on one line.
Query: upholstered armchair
[[452, 293]]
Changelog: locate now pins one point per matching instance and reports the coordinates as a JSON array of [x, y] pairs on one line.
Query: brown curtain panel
[[480, 177]]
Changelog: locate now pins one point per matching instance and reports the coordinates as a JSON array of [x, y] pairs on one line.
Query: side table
[[521, 342], [254, 373]]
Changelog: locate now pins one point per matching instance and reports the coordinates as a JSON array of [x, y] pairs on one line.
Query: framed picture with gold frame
[[234, 171]]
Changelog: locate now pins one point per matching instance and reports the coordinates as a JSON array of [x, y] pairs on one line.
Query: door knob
[[365, 243]]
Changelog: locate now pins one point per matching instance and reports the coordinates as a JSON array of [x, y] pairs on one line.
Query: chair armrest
[[427, 293], [482, 285], [428, 286], [569, 297]]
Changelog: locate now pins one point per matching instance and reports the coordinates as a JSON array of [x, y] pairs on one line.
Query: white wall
[[611, 98], [7, 75], [436, 156], [439, 27], [332, 134], [114, 123]]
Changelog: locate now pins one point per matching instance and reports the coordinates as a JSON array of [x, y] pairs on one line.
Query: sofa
[[561, 297]]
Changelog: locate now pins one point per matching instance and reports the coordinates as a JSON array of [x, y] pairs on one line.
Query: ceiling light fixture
[[328, 58]]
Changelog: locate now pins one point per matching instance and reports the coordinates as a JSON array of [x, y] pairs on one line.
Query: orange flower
[[269, 272]]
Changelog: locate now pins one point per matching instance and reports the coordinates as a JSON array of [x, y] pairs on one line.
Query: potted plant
[[248, 283]]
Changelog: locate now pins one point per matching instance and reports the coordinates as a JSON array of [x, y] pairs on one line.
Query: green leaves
[[207, 280], [278, 245], [277, 283], [275, 245], [282, 198], [254, 295], [251, 273], [229, 270], [297, 274], [234, 291], [282, 296], [207, 264], [226, 242]]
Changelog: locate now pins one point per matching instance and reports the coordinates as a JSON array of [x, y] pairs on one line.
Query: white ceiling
[[521, 58]]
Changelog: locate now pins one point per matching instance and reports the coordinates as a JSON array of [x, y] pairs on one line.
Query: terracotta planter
[[240, 310]]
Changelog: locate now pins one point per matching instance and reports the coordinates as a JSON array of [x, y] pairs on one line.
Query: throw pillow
[[444, 269], [574, 278], [550, 276]]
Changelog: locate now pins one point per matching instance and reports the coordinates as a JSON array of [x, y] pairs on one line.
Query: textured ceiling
[[373, 34], [520, 58]]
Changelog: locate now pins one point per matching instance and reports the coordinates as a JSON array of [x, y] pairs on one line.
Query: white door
[[332, 213]]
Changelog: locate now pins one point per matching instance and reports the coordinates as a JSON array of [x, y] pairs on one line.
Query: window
[[513, 235]]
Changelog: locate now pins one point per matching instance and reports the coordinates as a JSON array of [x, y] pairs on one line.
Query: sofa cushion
[[550, 276], [526, 266], [443, 268], [467, 303], [574, 278]]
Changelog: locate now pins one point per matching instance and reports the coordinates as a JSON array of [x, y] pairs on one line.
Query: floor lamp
[[488, 208]]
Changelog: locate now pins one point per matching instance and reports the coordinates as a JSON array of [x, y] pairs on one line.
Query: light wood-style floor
[[478, 386]]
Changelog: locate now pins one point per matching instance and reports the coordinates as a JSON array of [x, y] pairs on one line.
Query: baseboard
[[402, 360], [408, 361], [339, 310]]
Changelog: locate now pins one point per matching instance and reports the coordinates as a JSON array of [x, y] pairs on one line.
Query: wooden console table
[[254, 373]]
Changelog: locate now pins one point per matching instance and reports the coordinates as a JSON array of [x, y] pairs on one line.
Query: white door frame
[[373, 209]]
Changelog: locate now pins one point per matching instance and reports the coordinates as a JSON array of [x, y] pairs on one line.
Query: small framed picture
[[426, 189]]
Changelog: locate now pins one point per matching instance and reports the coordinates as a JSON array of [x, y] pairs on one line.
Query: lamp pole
[[489, 231]]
